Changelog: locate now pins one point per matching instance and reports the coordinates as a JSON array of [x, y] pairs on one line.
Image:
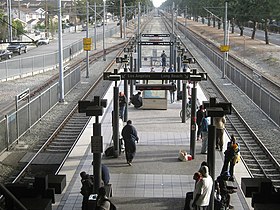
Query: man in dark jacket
[[199, 117], [129, 135]]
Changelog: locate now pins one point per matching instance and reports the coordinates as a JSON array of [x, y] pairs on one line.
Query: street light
[[104, 12]]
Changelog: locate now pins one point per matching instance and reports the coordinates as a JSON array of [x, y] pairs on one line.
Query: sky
[[157, 3]]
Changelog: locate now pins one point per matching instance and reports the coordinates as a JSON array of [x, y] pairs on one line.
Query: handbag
[[182, 155]]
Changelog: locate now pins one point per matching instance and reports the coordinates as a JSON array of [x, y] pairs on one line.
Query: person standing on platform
[[203, 190], [172, 92], [204, 132], [103, 203], [163, 71], [122, 104], [163, 59], [171, 70], [130, 136], [87, 188], [199, 117], [224, 189], [189, 195], [219, 123], [105, 174], [231, 157]]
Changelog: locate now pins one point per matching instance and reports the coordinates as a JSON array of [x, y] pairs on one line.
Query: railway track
[[256, 156], [64, 138]]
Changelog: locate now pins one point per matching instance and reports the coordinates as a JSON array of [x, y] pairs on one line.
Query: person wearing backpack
[[87, 188], [103, 202]]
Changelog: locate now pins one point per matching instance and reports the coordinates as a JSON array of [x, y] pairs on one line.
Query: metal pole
[[131, 81], [60, 55], [124, 24], [211, 157], [193, 119], [126, 94], [225, 41], [87, 52], [139, 35], [186, 15], [121, 18], [116, 120], [104, 12], [178, 70], [97, 157], [172, 37], [95, 35], [184, 98], [9, 11]]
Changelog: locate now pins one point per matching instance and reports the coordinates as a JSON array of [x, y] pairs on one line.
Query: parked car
[[42, 41], [17, 47], [5, 54]]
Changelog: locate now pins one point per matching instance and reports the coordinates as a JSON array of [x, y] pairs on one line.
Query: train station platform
[[157, 180]]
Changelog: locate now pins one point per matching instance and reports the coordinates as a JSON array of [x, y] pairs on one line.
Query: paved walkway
[[157, 180]]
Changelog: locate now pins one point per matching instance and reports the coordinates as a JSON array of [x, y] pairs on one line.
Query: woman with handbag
[[231, 157]]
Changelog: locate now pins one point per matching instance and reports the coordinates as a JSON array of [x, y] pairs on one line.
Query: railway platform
[[157, 179]]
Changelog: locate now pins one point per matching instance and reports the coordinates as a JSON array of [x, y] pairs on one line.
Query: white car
[[42, 41]]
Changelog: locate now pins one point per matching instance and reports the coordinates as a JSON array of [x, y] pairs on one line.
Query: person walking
[[103, 203], [204, 133], [219, 123], [86, 189], [199, 117], [172, 92], [130, 136], [122, 104], [163, 59], [203, 189], [231, 157]]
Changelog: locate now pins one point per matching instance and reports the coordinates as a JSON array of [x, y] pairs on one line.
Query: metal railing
[[16, 124]]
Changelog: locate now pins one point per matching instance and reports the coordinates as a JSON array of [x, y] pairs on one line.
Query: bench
[[250, 185], [58, 182]]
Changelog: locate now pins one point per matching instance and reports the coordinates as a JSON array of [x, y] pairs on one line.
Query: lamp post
[[194, 77], [60, 53], [87, 35], [225, 40], [104, 13], [214, 109], [95, 108]]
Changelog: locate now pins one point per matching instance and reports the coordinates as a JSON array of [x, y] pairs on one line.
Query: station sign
[[149, 76], [156, 43], [155, 35], [224, 48]]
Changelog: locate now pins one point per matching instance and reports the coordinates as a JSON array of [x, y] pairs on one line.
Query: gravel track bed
[[42, 130]]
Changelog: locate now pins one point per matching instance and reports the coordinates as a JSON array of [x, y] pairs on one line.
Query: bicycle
[[188, 112]]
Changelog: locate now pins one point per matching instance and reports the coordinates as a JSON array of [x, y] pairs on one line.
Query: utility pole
[[225, 40], [60, 54], [121, 18], [87, 35], [9, 11], [46, 20], [124, 20]]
